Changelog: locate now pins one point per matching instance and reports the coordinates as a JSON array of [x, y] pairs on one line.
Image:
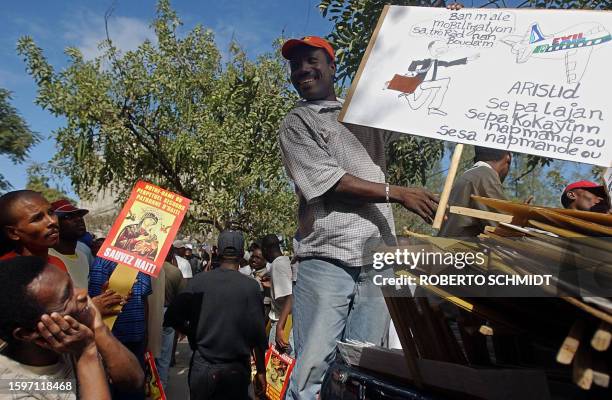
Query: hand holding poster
[[142, 234], [528, 81]]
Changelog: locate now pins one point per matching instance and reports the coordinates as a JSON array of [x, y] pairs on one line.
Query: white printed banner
[[529, 81]]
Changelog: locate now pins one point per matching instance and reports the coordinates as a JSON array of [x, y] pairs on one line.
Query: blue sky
[[55, 25]]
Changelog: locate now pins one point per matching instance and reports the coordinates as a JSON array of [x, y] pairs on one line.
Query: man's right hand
[[420, 201]]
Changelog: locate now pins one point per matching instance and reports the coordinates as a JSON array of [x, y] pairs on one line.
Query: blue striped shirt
[[130, 325]]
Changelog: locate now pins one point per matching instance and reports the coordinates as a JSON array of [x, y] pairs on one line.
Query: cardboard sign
[[527, 81], [143, 233], [278, 371], [153, 386]]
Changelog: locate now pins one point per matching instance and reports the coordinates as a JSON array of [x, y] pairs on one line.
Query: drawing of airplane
[[574, 45]]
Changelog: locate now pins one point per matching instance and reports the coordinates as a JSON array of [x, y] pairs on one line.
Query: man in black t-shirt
[[222, 313]]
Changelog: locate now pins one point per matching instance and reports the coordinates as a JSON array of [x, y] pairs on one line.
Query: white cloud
[[86, 31]]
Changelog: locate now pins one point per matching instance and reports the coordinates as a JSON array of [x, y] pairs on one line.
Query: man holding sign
[[344, 200]]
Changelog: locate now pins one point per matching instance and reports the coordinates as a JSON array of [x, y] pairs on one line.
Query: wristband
[[387, 192]]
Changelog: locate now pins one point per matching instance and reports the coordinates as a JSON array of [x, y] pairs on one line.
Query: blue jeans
[[163, 362], [331, 303]]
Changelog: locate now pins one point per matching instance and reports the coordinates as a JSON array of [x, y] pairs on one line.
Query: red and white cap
[[64, 206], [599, 190]]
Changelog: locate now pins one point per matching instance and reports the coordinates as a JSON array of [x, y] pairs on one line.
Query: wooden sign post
[[448, 185]]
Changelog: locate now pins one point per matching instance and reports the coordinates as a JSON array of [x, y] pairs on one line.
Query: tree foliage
[[173, 113], [39, 181], [575, 4], [16, 138]]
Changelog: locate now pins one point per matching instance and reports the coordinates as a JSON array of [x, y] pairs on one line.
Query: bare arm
[[353, 190], [64, 334], [91, 376], [123, 368], [281, 340]]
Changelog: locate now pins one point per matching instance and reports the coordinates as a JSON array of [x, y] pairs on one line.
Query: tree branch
[[169, 172]]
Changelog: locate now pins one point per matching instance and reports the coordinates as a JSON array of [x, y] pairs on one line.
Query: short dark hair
[[488, 154], [565, 200], [19, 308], [7, 218], [270, 242]]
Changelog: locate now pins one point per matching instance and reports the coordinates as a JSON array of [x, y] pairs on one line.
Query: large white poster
[[530, 81]]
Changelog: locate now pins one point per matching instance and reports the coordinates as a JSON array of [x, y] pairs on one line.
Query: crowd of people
[[221, 298], [58, 294]]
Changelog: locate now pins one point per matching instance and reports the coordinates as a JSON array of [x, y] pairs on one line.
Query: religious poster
[[278, 370], [143, 233], [528, 81]]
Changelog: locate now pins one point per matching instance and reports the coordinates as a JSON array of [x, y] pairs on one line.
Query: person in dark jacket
[[222, 313]]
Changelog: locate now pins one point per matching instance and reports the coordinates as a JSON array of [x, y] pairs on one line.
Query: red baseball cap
[[312, 41], [64, 206], [581, 185]]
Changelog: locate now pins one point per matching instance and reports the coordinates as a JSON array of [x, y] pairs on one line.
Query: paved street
[[178, 389]]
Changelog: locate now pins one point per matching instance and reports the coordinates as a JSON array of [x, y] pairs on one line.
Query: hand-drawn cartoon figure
[[422, 84], [139, 238], [573, 45]]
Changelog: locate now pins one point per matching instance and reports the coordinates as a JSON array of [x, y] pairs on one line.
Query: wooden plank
[[453, 348], [480, 214], [471, 306], [409, 347], [601, 378], [602, 337], [582, 374], [599, 243], [601, 371], [527, 211], [485, 330], [362, 65], [448, 185], [576, 223], [431, 331], [602, 315], [571, 343]]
